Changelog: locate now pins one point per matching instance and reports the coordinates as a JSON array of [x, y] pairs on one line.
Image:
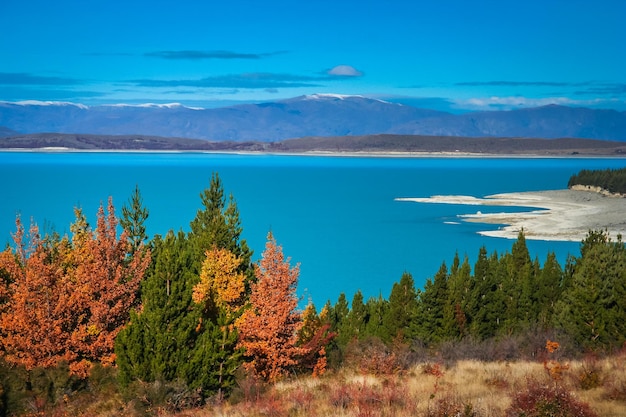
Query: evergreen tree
[[339, 312], [548, 290], [432, 303], [173, 337], [134, 216], [402, 309], [459, 283], [354, 325], [524, 275], [217, 224], [593, 308], [376, 308], [479, 288], [158, 342], [487, 318]]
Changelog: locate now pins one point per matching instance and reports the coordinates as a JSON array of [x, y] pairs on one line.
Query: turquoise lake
[[336, 216]]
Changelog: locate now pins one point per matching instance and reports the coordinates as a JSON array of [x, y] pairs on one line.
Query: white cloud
[[516, 102], [344, 71]]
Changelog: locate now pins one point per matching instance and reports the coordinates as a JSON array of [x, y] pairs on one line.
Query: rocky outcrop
[[596, 189]]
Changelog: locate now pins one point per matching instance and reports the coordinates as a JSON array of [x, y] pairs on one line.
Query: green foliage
[[593, 308], [612, 180], [173, 338], [402, 310], [506, 295], [134, 216], [432, 302]]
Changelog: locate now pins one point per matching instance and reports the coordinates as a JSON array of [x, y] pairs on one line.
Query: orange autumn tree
[[268, 329], [32, 318], [68, 299]]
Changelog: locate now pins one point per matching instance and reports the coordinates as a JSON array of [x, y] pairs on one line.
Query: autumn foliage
[[221, 281], [65, 300], [268, 330]]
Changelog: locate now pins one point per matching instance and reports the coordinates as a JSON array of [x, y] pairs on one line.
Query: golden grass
[[485, 387], [479, 389]]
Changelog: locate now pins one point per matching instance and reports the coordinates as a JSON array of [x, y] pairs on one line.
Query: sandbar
[[562, 215]]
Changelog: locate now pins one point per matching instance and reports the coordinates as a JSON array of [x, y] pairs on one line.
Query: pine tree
[[432, 303], [478, 290], [355, 322], [134, 216], [339, 312], [159, 339], [524, 275], [181, 339], [376, 308], [268, 330], [487, 317], [218, 224], [593, 308], [549, 287], [459, 283], [402, 309]]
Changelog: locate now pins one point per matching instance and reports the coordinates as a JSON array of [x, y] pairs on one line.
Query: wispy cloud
[[609, 89], [344, 71], [219, 54], [520, 84], [516, 102], [17, 93], [255, 80], [21, 78]]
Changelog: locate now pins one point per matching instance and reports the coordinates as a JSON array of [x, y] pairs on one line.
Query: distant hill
[[5, 132], [339, 144], [309, 116]]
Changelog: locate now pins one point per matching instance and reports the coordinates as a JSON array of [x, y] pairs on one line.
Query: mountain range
[[318, 115]]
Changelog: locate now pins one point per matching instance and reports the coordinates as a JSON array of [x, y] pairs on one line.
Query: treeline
[[611, 180], [497, 297], [191, 314]]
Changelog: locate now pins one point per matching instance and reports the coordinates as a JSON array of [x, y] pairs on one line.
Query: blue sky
[[451, 55]]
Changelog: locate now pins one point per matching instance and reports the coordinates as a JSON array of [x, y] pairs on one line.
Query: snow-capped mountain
[[313, 115]]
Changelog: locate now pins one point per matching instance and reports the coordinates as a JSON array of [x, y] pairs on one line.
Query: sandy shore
[[553, 215]]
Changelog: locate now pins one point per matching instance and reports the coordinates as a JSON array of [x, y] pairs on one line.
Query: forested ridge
[[191, 312], [611, 180]]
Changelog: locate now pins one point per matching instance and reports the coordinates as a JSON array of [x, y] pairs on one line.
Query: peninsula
[[565, 215]]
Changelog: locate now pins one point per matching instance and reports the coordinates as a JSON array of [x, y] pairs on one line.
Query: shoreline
[[554, 215], [331, 154]]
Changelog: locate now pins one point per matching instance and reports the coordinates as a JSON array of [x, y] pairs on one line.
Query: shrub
[[551, 400], [590, 374], [449, 405], [372, 356], [162, 396]]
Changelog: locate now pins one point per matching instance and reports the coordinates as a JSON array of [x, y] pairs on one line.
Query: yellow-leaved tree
[[222, 283]]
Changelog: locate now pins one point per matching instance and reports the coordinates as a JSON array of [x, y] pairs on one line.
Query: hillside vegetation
[[102, 323], [611, 180], [341, 144]]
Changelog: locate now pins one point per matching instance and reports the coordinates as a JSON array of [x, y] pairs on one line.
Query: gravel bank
[[553, 215]]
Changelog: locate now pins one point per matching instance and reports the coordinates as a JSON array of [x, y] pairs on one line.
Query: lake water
[[336, 216]]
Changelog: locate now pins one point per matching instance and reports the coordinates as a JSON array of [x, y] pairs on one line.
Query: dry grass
[[466, 389], [469, 388]]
